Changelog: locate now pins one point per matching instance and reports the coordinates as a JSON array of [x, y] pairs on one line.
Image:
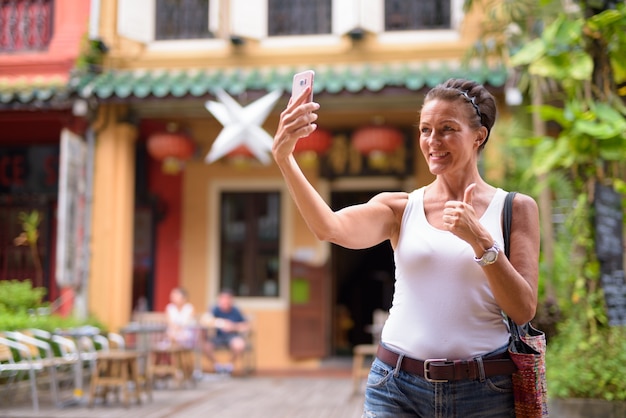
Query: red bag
[[527, 349]]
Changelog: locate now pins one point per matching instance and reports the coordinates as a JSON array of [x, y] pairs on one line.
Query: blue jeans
[[395, 393]]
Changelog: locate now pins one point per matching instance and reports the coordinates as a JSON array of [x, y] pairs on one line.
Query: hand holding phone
[[301, 81]]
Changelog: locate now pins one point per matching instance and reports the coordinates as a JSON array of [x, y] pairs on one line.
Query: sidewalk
[[294, 396]]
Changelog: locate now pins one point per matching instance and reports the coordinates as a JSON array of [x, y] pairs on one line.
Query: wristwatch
[[490, 256]]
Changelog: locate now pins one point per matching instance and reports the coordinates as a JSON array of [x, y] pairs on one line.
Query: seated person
[[180, 319], [230, 326]]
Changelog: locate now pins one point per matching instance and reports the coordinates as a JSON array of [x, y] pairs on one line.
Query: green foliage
[[610, 26], [559, 53], [592, 121], [21, 307], [24, 320], [92, 52], [572, 60], [589, 134], [580, 364], [17, 297], [509, 25]]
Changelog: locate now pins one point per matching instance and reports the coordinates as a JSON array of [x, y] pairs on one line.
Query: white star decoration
[[242, 125]]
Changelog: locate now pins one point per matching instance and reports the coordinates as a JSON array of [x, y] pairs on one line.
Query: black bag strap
[[507, 215]]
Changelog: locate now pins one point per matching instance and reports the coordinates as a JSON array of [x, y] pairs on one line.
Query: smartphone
[[301, 81]]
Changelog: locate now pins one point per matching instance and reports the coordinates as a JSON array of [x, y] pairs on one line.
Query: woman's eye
[[447, 128], [424, 130]]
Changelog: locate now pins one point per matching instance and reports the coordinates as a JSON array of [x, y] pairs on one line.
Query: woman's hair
[[477, 97], [181, 290]]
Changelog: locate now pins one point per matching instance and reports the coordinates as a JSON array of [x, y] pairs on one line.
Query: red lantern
[[377, 142], [310, 147], [171, 148], [318, 142], [377, 139]]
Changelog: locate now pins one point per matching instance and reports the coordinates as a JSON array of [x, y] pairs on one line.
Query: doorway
[[363, 281]]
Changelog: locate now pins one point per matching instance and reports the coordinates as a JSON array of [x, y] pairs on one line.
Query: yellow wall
[[111, 269], [197, 249]]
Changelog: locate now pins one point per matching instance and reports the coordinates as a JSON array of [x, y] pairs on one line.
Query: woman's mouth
[[437, 155]]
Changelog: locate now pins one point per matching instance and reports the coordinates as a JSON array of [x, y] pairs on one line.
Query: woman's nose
[[434, 138]]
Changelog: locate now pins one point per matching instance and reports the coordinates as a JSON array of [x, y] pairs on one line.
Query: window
[[25, 25], [299, 17], [182, 19], [417, 14], [249, 243]]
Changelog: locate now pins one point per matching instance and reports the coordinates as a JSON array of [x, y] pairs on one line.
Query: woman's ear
[[481, 136]]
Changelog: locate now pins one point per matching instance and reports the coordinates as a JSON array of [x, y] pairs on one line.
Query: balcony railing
[[25, 25]]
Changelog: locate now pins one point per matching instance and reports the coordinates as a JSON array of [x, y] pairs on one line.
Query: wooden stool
[[116, 369], [360, 368], [175, 362]]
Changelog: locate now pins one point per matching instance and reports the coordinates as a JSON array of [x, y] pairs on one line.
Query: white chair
[[42, 354], [12, 369]]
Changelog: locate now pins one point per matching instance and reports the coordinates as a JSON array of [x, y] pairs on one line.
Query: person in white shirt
[[180, 319], [452, 279]]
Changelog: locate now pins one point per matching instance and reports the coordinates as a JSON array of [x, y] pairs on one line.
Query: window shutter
[[345, 16], [214, 16], [372, 15], [135, 19], [248, 18]]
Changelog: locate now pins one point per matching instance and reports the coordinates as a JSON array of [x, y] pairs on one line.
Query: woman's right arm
[[359, 226]]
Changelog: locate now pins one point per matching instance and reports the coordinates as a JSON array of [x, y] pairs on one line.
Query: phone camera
[[302, 82]]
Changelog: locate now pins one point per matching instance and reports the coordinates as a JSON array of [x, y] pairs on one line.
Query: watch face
[[490, 256]]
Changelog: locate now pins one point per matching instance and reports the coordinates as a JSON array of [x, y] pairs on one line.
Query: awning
[[332, 79], [137, 85], [34, 93]]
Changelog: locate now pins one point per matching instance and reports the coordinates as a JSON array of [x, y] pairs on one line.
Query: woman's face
[[447, 141], [177, 297]]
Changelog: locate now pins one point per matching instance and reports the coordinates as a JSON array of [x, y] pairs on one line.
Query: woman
[[180, 319], [452, 278]]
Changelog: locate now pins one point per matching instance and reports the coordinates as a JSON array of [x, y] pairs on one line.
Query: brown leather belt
[[441, 370]]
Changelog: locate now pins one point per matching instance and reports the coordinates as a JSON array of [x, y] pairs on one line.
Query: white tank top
[[443, 306]]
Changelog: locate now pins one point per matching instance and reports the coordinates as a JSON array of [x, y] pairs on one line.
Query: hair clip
[[472, 100]]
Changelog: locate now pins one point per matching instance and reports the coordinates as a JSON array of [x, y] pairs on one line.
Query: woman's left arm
[[514, 281]]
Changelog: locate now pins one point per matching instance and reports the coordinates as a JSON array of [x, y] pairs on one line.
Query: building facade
[[40, 44], [172, 206]]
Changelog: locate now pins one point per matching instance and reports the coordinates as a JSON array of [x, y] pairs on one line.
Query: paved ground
[[327, 395]]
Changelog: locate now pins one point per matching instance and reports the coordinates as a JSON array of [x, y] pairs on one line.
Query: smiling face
[[448, 140]]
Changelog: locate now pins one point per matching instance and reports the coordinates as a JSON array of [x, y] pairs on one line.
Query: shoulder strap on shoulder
[[507, 215]]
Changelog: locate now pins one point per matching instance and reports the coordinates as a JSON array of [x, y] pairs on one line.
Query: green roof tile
[[332, 79]]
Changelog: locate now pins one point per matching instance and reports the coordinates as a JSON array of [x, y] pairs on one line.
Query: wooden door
[[309, 330]]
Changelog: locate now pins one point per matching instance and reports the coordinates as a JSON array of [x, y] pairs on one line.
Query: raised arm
[[359, 226]]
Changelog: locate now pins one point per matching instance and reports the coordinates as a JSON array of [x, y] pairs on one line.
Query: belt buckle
[[427, 369]]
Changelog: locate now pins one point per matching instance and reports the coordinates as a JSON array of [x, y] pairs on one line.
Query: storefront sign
[[71, 211], [29, 170], [609, 250]]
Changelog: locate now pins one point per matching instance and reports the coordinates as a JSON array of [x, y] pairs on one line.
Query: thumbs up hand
[[460, 218]]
